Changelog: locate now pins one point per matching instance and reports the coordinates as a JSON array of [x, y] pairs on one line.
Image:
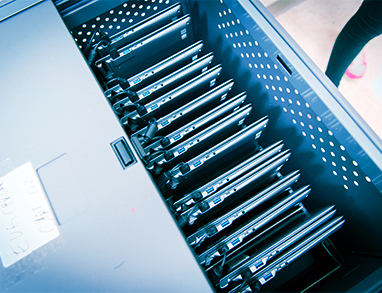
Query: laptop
[[166, 83], [261, 254], [221, 223], [269, 272], [198, 124], [155, 72], [143, 28], [244, 183], [140, 54], [221, 181], [170, 101], [237, 237], [196, 169], [202, 140], [188, 112]]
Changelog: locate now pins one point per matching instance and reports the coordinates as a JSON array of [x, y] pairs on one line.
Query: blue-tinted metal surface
[[9, 8]]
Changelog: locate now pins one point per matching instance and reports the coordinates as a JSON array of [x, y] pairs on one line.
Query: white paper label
[[26, 219]]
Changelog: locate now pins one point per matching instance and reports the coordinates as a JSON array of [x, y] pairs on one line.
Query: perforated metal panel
[[328, 156]]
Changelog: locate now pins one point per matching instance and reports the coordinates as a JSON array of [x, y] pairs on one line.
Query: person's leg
[[365, 24]]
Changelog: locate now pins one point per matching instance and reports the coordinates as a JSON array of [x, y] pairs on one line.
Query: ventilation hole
[[155, 8], [258, 54], [303, 133], [167, 2], [267, 87], [228, 24], [79, 33], [88, 33], [275, 97], [296, 92], [125, 5], [229, 10], [223, 25], [84, 25], [285, 109], [343, 158], [270, 77], [334, 164], [356, 183], [368, 179], [282, 99], [323, 150], [278, 78], [128, 13], [247, 32], [342, 147], [234, 45], [235, 35], [314, 146], [110, 26], [265, 54], [258, 76], [299, 104], [107, 19], [219, 26], [346, 187], [80, 46], [233, 23], [120, 12], [111, 11], [264, 76], [238, 21], [300, 113], [302, 124], [312, 136], [344, 168], [84, 40], [136, 13], [93, 26], [292, 111], [242, 55], [321, 140], [285, 78], [335, 173], [220, 14], [98, 18], [250, 65], [333, 154], [123, 20], [294, 121], [288, 90], [244, 44], [247, 55], [76, 40], [319, 128], [345, 178], [241, 33], [118, 27], [273, 87], [330, 133], [130, 20], [280, 89], [355, 173], [256, 43], [253, 55], [143, 14], [262, 66], [250, 44], [324, 159]]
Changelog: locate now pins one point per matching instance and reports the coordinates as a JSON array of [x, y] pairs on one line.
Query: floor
[[314, 25]]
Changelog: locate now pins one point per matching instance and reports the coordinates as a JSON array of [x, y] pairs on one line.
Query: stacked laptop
[[240, 215]]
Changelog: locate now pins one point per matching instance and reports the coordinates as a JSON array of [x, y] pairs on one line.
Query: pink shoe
[[357, 68]]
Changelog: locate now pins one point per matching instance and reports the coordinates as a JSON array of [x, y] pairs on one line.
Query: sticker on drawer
[[26, 219]]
